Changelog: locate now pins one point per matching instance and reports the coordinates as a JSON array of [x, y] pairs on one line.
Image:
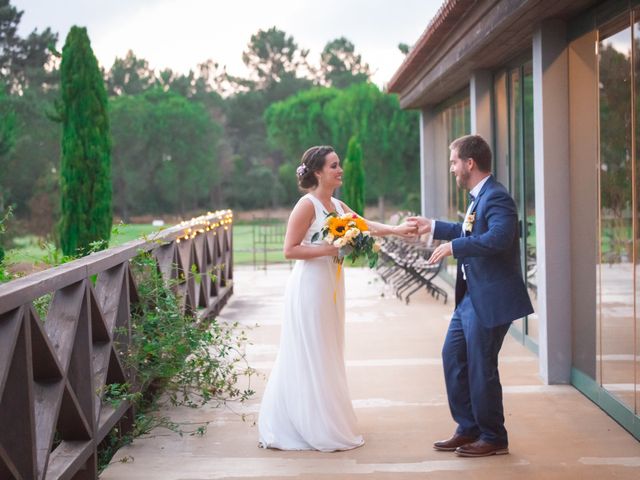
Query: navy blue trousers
[[470, 359]]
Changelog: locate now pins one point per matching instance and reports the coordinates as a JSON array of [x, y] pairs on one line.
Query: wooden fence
[[52, 369]]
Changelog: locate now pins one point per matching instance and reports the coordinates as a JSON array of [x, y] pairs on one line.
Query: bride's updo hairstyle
[[312, 161]]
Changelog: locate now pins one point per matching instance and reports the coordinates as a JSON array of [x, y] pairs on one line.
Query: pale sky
[[179, 34]]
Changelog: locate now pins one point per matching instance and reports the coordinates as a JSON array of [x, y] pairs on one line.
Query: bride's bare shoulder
[[303, 208]]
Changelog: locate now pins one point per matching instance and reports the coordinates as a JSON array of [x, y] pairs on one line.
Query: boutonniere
[[467, 226]]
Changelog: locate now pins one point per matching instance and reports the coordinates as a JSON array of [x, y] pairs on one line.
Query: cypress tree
[[85, 173], [353, 186], [7, 141]]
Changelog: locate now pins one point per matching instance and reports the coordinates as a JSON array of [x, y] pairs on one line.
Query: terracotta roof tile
[[439, 27]]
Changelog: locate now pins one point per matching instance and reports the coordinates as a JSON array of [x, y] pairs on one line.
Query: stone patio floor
[[397, 386]]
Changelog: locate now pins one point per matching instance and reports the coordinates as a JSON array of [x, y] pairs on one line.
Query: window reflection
[[529, 199], [636, 103], [616, 269], [515, 153], [456, 122], [515, 168]]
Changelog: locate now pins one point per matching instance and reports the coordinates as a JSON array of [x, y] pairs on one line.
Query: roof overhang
[[470, 35]]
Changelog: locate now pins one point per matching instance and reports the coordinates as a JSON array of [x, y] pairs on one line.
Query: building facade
[[554, 86]]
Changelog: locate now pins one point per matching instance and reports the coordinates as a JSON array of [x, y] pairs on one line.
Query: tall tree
[[129, 75], [130, 120], [10, 42], [164, 153], [7, 125], [388, 136], [7, 140], [213, 77], [28, 70], [272, 56], [353, 186], [85, 177], [34, 160], [185, 140], [25, 62], [299, 121], [341, 66]]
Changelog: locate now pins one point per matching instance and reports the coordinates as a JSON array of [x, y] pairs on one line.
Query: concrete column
[[428, 175], [480, 87], [583, 125], [553, 199]]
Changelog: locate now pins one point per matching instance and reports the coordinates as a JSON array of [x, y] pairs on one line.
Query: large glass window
[[617, 290], [514, 167], [457, 123], [636, 227]]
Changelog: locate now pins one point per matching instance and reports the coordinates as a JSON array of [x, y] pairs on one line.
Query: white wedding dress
[[306, 405]]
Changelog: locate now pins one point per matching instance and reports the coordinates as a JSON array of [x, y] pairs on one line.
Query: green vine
[[174, 357]]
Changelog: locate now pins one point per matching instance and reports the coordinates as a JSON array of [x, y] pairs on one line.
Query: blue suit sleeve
[[447, 230], [502, 222]]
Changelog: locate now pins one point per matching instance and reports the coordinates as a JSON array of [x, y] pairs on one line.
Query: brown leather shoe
[[454, 442], [480, 448]]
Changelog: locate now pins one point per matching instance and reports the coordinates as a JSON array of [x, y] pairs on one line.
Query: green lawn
[[125, 233], [31, 249], [243, 247]]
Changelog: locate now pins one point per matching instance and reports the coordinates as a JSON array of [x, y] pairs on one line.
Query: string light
[[194, 227]]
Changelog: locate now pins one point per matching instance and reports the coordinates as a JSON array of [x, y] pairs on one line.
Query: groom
[[490, 294]]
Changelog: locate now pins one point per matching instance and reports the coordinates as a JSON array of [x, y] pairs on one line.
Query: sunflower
[[337, 226], [361, 224]]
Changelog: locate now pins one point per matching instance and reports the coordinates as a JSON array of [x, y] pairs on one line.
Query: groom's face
[[460, 168]]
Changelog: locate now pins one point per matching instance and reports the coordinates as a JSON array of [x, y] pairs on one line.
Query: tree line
[[203, 140]]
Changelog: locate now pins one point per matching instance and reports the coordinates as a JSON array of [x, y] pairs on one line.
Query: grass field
[[33, 250], [32, 253], [243, 238]]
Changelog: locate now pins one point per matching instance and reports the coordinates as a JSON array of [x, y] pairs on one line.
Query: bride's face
[[331, 174]]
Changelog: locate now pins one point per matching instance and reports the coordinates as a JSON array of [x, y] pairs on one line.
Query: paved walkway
[[396, 381]]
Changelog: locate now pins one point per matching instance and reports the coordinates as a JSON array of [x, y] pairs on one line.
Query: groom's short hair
[[476, 147]]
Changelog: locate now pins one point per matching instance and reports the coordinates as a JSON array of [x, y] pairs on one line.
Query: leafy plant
[[170, 352], [5, 275]]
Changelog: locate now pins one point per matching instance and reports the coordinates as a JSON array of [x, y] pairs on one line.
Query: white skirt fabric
[[306, 405]]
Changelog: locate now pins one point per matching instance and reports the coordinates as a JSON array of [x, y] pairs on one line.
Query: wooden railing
[[52, 369]]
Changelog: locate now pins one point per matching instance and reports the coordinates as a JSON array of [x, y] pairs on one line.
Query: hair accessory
[[301, 170]]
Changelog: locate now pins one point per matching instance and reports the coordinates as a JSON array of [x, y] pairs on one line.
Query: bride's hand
[[406, 229], [331, 251]]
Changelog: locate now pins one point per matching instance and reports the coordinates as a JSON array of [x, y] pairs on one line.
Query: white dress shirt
[[475, 191]]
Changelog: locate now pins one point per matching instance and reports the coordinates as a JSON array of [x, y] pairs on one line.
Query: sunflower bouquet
[[351, 234]]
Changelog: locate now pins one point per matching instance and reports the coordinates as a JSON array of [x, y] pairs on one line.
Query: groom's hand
[[439, 253], [405, 230], [423, 224]]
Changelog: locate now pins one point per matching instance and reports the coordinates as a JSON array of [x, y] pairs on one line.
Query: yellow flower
[[376, 247], [337, 226], [361, 224]]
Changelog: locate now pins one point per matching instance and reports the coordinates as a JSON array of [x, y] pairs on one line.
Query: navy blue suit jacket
[[490, 254]]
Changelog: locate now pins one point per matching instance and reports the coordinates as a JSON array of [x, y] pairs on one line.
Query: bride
[[306, 404]]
